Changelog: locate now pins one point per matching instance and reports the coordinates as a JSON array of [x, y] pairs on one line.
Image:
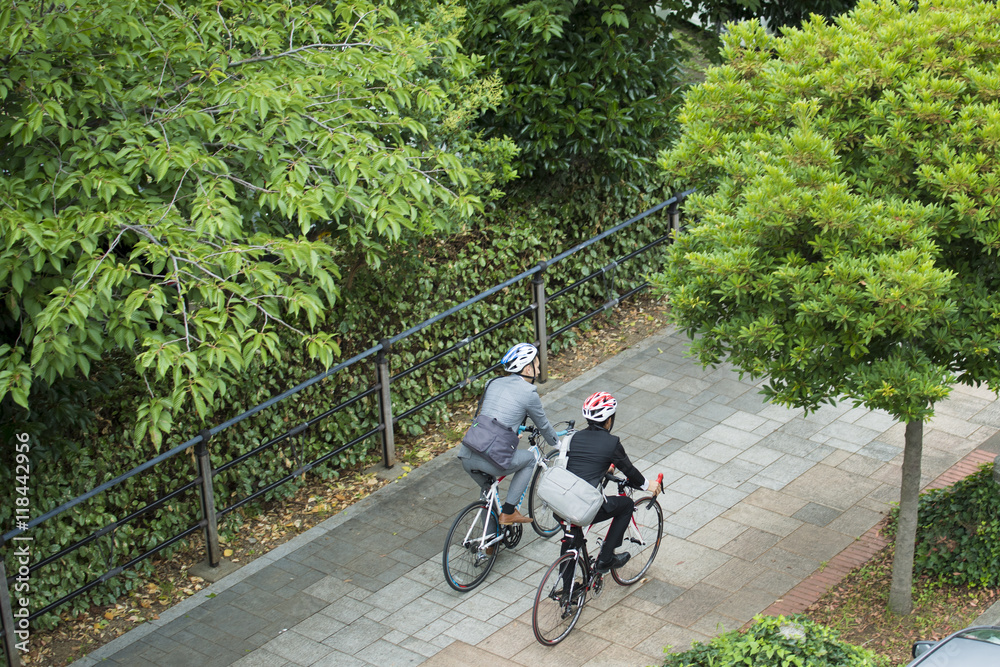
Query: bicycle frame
[[634, 525]]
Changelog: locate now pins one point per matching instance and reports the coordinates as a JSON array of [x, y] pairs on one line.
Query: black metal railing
[[200, 483]]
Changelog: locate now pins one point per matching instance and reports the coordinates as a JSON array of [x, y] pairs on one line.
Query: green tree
[[592, 84], [843, 243], [775, 13], [181, 180]]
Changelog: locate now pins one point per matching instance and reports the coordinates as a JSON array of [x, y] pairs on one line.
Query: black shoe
[[617, 561]]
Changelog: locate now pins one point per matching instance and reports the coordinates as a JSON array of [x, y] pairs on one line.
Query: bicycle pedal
[[598, 585]]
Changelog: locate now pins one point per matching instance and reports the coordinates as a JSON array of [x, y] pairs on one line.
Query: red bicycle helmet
[[599, 407]]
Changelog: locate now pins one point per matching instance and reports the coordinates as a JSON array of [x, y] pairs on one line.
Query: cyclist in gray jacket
[[510, 400]]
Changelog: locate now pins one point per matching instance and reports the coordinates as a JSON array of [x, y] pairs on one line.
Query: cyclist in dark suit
[[591, 452]]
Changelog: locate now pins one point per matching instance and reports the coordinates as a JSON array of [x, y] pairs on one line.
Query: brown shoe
[[516, 517]]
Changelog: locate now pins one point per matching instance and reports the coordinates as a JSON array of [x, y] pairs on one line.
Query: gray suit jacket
[[509, 400]]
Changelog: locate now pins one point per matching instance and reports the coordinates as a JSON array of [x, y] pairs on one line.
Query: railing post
[[675, 217], [7, 617], [385, 404], [211, 519], [541, 325]]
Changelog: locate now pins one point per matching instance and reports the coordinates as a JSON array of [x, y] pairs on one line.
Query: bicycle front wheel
[[544, 523], [559, 600], [641, 541], [471, 547]]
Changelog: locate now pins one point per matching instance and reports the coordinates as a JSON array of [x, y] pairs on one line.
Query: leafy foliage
[[774, 641], [775, 13], [591, 84], [958, 538], [184, 181], [845, 243]]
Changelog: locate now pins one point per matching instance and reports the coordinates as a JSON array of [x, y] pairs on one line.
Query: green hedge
[[421, 280], [958, 532], [774, 641]]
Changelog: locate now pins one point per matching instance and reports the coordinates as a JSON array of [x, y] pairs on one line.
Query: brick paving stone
[[783, 440], [816, 514], [724, 496], [714, 411], [715, 624], [670, 637], [855, 521], [470, 630], [582, 649], [852, 433], [297, 648], [460, 654], [734, 474], [760, 455], [318, 627], [261, 658], [859, 464], [717, 533], [763, 519], [696, 514], [831, 487], [750, 544], [745, 603], [695, 602], [774, 582], [781, 560], [684, 430], [718, 452], [235, 621], [356, 636], [426, 649], [384, 653], [621, 625], [882, 451], [745, 421], [657, 593], [735, 575]]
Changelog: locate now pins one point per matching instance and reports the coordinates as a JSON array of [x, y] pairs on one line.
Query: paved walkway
[[757, 499]]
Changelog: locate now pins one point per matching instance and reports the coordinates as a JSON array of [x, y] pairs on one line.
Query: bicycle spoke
[[544, 523], [559, 600], [471, 547], [641, 541]]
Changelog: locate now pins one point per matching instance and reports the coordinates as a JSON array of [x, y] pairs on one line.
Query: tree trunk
[[901, 592]]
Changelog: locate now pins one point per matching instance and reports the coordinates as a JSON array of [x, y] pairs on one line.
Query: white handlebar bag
[[569, 496]]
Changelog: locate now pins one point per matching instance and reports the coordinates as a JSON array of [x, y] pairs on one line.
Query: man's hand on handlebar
[[657, 486]]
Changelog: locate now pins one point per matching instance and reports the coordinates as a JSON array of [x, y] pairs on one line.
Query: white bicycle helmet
[[518, 357], [599, 407]]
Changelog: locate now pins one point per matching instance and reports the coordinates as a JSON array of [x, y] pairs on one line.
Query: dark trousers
[[619, 510]]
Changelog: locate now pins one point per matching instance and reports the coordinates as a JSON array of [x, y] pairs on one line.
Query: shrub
[[958, 537], [775, 641]]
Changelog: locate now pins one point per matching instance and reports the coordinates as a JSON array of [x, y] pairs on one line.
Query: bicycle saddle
[[489, 478]]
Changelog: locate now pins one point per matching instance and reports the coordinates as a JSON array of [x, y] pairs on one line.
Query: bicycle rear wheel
[[556, 610], [544, 523], [641, 541], [471, 547]]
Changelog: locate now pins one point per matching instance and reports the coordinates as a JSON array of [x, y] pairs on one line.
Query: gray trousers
[[521, 468]]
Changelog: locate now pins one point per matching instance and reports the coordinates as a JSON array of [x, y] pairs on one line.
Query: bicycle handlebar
[[533, 431]]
